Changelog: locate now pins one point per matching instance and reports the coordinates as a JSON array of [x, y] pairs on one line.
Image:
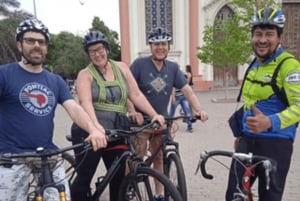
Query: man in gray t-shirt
[[156, 76]]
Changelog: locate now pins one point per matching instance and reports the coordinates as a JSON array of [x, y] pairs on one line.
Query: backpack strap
[[238, 98], [274, 85]]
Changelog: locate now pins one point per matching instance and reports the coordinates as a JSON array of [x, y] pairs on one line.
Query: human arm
[[173, 99], [81, 118], [194, 102], [137, 98], [84, 94], [135, 116]]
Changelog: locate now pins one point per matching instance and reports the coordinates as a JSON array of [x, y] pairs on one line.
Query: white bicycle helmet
[[159, 34], [269, 16], [32, 25], [94, 37]]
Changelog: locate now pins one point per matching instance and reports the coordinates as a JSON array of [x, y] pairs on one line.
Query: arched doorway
[[222, 73]]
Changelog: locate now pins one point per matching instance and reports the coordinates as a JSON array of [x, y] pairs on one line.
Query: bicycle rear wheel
[[175, 173], [139, 186]]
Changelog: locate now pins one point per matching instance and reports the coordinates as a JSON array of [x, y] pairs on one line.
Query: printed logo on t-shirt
[[37, 99]]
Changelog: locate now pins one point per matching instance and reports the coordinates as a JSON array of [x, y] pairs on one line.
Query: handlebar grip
[[204, 173], [195, 118]]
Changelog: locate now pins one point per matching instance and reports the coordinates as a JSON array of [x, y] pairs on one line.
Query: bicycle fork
[[60, 188], [46, 180]]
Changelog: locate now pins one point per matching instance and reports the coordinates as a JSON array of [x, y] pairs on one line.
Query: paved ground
[[212, 135]]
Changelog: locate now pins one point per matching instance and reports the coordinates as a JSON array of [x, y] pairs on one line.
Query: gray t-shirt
[[157, 85]]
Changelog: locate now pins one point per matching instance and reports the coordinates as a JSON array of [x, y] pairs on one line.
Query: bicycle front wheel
[[175, 173], [139, 186]]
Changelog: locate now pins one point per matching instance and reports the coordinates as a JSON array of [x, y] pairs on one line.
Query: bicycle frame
[[44, 169], [138, 172], [167, 145], [103, 181], [251, 162], [172, 164]]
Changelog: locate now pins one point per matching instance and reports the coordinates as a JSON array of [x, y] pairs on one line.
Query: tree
[[11, 17], [66, 56], [227, 42]]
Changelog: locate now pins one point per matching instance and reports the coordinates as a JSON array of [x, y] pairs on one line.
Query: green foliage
[[227, 43], [65, 55]]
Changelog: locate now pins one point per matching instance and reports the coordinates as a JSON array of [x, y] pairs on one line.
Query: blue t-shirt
[[157, 85], [27, 107]]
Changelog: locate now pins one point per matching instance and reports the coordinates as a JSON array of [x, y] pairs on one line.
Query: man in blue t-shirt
[[156, 76], [29, 95]]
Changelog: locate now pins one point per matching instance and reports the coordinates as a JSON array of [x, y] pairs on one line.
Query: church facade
[[186, 21]]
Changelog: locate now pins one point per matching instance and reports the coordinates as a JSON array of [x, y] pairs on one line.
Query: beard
[[264, 54], [34, 57]]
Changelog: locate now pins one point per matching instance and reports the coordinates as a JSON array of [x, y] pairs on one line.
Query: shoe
[[190, 130], [159, 198]]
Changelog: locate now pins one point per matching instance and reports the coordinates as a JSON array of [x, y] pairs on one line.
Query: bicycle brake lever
[[268, 168], [202, 156], [198, 166]]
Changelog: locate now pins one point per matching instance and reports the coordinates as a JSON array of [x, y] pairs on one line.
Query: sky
[[74, 16]]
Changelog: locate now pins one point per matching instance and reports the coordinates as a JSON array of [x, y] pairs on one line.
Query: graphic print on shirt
[[37, 99], [158, 84]]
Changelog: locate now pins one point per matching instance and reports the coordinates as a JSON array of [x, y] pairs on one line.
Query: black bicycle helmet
[[268, 16], [95, 37], [34, 25], [159, 34]]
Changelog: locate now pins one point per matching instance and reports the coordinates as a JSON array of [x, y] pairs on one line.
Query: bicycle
[[249, 162], [172, 164], [43, 163], [138, 184]]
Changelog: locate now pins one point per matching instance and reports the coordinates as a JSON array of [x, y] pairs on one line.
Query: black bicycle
[[172, 164], [249, 162], [139, 182], [43, 163]]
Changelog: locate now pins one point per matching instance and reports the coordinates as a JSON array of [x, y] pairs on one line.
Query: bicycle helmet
[[34, 25], [269, 16], [159, 34], [94, 37]]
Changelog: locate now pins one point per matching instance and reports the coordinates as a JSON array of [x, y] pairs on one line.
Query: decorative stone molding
[[213, 5]]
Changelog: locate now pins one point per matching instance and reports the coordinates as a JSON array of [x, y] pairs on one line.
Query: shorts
[[147, 139], [14, 183]]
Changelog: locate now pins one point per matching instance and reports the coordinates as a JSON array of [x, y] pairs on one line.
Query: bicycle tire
[[175, 173], [140, 186], [70, 166]]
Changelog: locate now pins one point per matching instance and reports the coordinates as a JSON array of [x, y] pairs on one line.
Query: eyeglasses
[[32, 41], [99, 50]]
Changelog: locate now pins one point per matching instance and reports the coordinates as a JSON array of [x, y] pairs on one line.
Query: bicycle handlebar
[[169, 120], [269, 164], [119, 133], [193, 119], [39, 153]]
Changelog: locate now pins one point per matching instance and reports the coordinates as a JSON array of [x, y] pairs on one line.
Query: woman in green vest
[[103, 89]]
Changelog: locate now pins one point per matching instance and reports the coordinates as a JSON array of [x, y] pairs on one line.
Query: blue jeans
[[185, 107]]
